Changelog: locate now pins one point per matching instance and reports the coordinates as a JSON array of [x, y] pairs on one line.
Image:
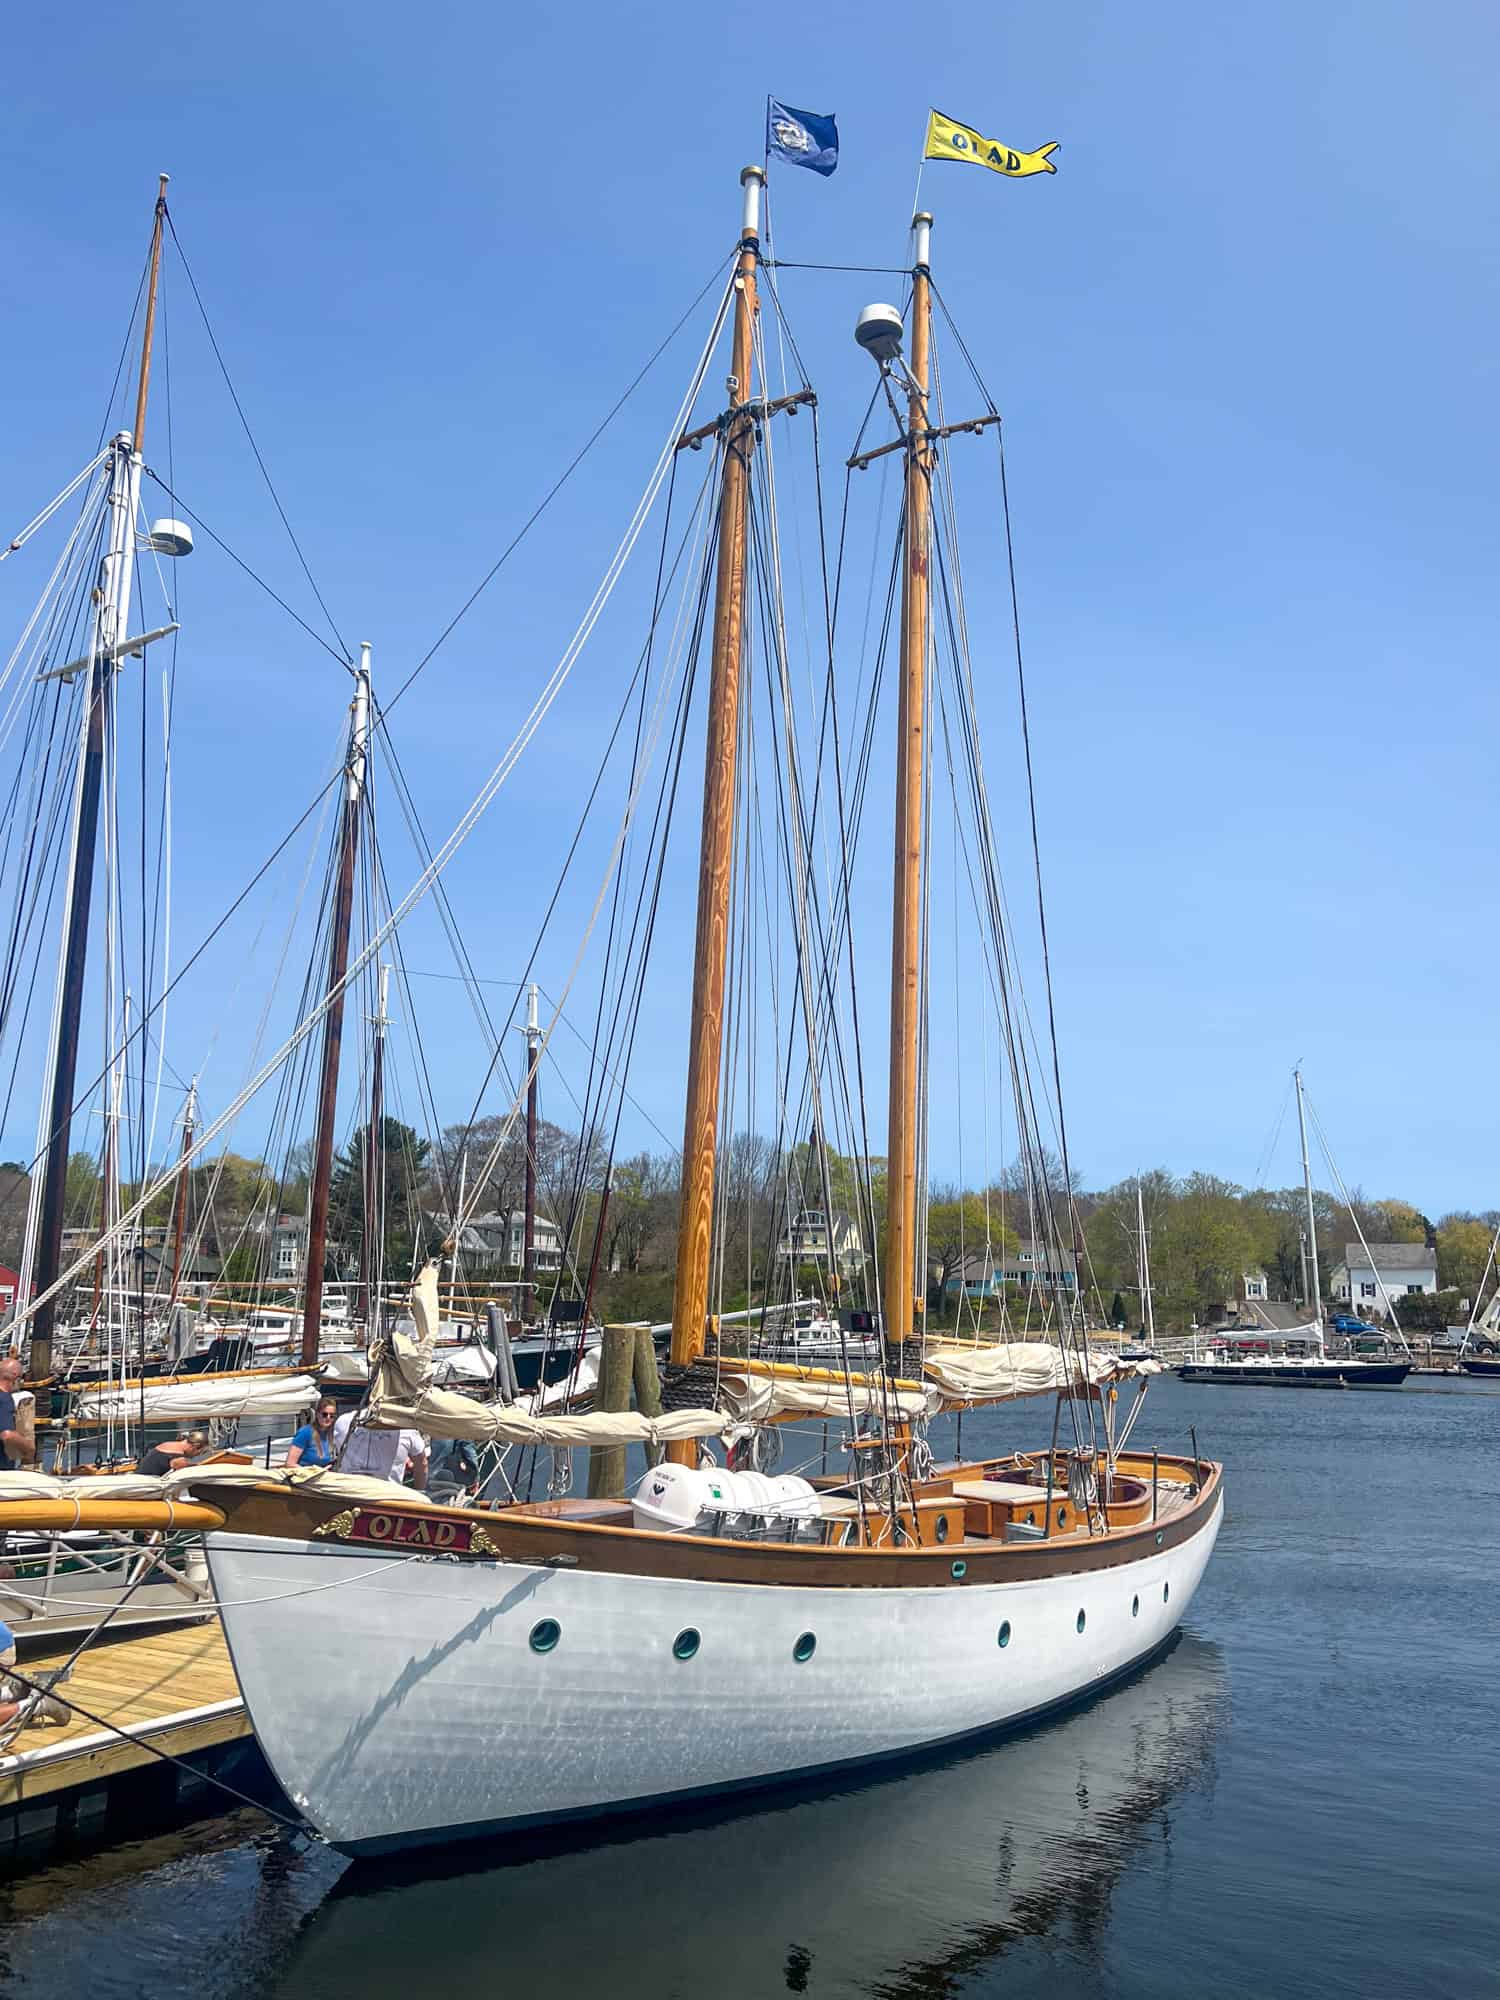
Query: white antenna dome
[[170, 538], [878, 331]]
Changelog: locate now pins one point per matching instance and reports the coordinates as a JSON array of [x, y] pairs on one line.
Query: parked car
[[1347, 1323]]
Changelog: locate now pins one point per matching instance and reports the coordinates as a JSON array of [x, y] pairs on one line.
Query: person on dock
[[381, 1454], [172, 1453], [17, 1417], [313, 1443]]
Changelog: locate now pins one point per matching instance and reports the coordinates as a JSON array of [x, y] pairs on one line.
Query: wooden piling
[[616, 1367]]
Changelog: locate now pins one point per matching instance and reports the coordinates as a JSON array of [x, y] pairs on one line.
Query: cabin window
[[806, 1646], [545, 1635], [960, 1570], [1082, 1620], [1002, 1637], [1062, 1517], [941, 1531], [686, 1644]]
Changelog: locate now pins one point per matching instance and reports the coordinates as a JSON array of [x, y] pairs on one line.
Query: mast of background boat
[[333, 1020], [111, 626], [533, 1036], [374, 1157], [701, 1123], [179, 1205], [1148, 1310], [902, 1300], [1312, 1224]]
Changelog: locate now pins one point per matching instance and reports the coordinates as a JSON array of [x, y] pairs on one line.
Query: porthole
[[685, 1644], [1003, 1635], [545, 1635], [1082, 1620], [1062, 1517], [1031, 1518], [1166, 1592], [1159, 1537], [960, 1571], [1135, 1607], [806, 1646], [942, 1527]]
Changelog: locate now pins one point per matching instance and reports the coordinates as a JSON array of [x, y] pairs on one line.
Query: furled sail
[[402, 1396], [201, 1397], [990, 1374]]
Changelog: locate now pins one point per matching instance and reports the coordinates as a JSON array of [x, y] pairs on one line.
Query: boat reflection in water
[[896, 1885]]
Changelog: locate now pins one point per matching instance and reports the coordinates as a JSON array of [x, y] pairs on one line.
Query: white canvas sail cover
[[402, 1397], [1006, 1369], [200, 1398]]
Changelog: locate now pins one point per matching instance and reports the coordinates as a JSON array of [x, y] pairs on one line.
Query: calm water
[[1300, 1798]]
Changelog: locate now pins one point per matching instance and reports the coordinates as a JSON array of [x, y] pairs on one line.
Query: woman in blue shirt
[[313, 1444]]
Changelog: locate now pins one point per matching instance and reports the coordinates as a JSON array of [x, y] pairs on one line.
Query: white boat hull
[[419, 1711]]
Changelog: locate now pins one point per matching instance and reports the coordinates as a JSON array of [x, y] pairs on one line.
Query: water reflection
[[902, 1886], [896, 1887]]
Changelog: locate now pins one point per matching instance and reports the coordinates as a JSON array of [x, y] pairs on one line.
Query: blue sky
[[1244, 344]]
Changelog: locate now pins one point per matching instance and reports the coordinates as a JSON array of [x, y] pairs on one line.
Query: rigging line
[[468, 821], [254, 575], [567, 473], [190, 962], [239, 411], [114, 387], [793, 264]]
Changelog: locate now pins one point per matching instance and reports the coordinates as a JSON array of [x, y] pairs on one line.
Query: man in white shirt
[[380, 1454]]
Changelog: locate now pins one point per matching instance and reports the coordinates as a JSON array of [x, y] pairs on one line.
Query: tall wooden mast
[[700, 1132], [904, 1283], [111, 626], [333, 1020]]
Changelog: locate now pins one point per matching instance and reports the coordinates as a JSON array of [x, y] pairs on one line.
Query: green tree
[[399, 1173], [1463, 1252]]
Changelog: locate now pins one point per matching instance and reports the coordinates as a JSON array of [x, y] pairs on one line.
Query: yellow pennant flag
[[948, 140]]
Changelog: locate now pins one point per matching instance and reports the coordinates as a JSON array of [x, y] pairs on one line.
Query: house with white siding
[[1391, 1270]]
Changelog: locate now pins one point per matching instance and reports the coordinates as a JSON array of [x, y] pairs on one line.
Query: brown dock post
[[647, 1384], [616, 1364]]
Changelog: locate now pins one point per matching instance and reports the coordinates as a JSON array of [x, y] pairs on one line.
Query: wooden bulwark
[[173, 1691]]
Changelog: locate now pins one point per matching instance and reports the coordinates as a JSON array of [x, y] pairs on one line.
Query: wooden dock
[[160, 1690]]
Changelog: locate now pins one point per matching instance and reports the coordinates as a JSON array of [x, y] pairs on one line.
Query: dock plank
[[174, 1690]]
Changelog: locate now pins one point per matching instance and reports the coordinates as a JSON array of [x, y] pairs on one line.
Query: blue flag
[[806, 138]]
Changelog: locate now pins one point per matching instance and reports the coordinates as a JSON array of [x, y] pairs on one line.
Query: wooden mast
[[700, 1131], [904, 1284], [333, 1020], [111, 627], [533, 1036]]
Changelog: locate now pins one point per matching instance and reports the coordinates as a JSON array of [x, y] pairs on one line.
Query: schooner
[[474, 1668]]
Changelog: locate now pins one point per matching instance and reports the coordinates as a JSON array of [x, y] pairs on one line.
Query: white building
[[1391, 1270], [811, 1234]]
